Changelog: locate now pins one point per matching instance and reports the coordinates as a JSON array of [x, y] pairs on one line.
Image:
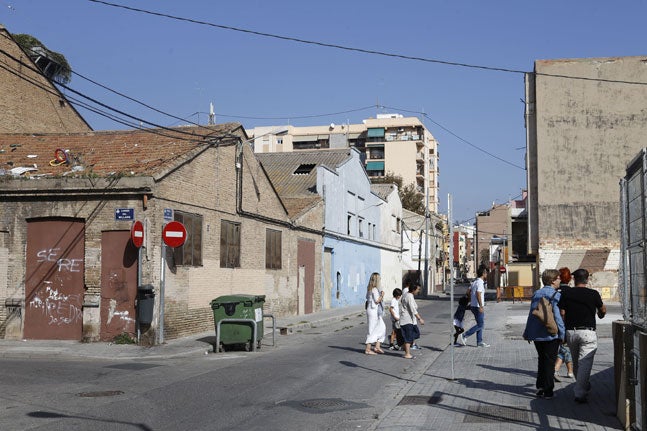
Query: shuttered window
[[272, 249], [229, 244]]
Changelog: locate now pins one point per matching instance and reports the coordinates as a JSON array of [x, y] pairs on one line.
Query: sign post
[[173, 235]]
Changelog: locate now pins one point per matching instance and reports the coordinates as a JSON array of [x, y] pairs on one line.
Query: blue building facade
[[351, 232]]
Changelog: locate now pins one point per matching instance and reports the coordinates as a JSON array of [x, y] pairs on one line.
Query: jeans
[[478, 327], [583, 344], [547, 355]]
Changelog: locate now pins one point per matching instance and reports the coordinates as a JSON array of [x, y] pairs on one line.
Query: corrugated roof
[[298, 191], [134, 152]]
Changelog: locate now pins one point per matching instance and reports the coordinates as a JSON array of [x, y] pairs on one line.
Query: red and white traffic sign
[[137, 233], [174, 234]]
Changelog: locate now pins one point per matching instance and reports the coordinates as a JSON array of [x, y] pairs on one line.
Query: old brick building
[[68, 267]]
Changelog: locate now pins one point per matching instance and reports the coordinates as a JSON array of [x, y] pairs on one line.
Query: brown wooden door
[[118, 284], [306, 261], [54, 279]]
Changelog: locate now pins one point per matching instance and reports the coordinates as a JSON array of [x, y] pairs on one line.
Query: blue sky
[[179, 67]]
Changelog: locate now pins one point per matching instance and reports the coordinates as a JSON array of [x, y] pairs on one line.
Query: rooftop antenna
[[212, 115]]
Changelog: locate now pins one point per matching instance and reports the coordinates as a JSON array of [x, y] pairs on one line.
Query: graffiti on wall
[[50, 297]]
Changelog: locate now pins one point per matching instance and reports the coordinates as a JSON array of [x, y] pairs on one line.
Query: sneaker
[[394, 347], [415, 347], [458, 345], [483, 344], [557, 378], [539, 393], [461, 340], [571, 375]]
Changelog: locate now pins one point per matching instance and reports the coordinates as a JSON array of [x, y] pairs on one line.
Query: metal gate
[[633, 278], [118, 284], [54, 279]]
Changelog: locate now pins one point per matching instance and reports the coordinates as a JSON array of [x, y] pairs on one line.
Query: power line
[[361, 50], [458, 137]]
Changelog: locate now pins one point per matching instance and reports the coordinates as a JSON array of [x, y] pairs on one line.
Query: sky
[[179, 66]]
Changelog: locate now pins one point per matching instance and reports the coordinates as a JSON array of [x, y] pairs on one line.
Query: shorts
[[458, 323], [564, 353], [410, 333]]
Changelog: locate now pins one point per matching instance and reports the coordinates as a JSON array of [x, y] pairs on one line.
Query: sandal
[[380, 351], [370, 352]]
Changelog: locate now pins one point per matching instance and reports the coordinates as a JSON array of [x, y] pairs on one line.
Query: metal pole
[[162, 281], [451, 282]]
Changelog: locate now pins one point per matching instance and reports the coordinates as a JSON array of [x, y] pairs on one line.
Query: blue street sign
[[168, 214], [122, 214]]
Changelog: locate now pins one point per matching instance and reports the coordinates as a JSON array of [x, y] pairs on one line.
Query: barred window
[[229, 244], [190, 253], [272, 249]]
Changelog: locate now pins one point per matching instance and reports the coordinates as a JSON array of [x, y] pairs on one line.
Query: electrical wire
[[361, 50], [456, 136]]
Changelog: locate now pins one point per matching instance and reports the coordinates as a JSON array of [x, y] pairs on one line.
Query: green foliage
[[61, 74], [123, 338]]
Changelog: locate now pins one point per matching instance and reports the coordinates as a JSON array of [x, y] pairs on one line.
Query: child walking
[[459, 315], [394, 309]]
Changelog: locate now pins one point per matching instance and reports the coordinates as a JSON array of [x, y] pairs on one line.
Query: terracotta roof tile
[[134, 152]]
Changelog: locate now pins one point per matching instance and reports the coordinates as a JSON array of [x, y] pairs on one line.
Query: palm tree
[[53, 64]]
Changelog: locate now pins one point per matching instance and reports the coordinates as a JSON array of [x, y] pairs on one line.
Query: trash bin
[[238, 334], [145, 304]]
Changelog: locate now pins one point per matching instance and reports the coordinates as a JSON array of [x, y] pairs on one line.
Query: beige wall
[[587, 130]]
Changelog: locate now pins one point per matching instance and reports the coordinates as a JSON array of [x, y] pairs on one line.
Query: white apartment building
[[390, 143]]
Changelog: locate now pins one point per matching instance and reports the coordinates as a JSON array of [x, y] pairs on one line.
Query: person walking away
[[546, 344], [580, 304], [564, 352], [374, 312], [394, 311], [477, 304], [409, 318], [459, 315]]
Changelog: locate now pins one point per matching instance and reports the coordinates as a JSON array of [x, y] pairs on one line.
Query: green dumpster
[[236, 314]]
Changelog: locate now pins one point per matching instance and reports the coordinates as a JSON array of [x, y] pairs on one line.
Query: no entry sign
[[174, 234], [137, 233]]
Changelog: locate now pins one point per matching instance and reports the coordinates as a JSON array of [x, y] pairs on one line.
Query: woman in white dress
[[374, 313]]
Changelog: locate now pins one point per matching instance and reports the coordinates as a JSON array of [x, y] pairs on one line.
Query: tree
[[411, 199], [54, 65]]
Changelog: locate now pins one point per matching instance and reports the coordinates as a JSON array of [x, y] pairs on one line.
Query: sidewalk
[[494, 388], [186, 346]]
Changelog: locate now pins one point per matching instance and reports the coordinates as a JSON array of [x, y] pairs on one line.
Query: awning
[[304, 138], [375, 166], [377, 132]]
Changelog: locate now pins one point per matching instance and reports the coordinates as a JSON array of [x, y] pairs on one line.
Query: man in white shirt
[[477, 304]]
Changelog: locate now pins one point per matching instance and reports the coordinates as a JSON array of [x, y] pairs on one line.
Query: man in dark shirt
[[578, 306]]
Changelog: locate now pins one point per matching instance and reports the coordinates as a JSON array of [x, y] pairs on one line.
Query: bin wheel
[[258, 345], [221, 348], [248, 346]]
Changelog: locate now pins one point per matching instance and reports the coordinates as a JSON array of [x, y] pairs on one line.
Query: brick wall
[[29, 102]]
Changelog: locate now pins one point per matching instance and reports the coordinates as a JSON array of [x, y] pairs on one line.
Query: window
[[304, 169], [360, 222], [272, 249], [190, 253], [349, 224], [229, 244]]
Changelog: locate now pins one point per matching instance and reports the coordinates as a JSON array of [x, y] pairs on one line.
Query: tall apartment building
[[389, 143]]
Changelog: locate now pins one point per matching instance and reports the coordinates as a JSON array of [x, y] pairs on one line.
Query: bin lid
[[227, 299]]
